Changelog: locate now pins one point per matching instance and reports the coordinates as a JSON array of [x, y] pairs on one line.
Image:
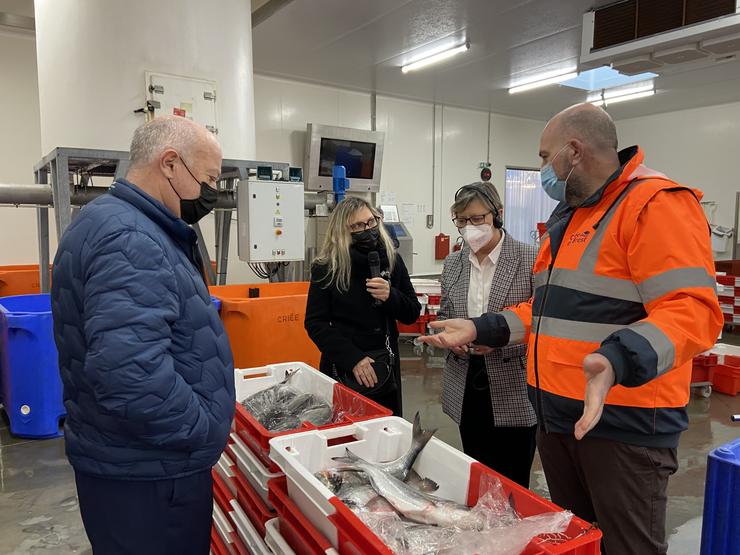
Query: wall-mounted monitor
[[358, 150]]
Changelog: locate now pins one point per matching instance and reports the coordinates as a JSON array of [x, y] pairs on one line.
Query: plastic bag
[[508, 540], [503, 533], [282, 407]]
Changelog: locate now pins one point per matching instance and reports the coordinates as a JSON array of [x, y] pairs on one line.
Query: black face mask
[[366, 241], [194, 210]]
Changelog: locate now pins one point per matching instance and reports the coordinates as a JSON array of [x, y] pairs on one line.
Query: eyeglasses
[[475, 220], [362, 226]]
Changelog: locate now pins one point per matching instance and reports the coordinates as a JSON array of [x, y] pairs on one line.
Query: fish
[[299, 403], [264, 400], [282, 408], [283, 423], [412, 504], [425, 485], [401, 467], [318, 415]]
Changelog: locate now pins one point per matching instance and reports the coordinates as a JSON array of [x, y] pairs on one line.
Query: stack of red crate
[[242, 508], [728, 291], [703, 368], [429, 293], [727, 375]]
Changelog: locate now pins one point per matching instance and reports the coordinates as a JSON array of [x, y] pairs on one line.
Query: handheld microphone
[[373, 259]]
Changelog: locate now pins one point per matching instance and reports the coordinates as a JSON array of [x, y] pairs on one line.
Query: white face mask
[[477, 236]]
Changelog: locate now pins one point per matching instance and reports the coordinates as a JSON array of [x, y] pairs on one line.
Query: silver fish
[[282, 407], [422, 484], [413, 504], [299, 403], [318, 415], [401, 467]]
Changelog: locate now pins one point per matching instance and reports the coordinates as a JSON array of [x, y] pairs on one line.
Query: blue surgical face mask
[[554, 187]]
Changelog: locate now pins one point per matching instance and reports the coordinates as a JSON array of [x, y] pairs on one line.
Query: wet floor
[[39, 513]]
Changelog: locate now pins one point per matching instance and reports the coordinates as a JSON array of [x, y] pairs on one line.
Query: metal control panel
[[270, 221]]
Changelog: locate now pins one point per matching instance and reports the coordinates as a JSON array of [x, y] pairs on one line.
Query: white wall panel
[[20, 143], [698, 148], [407, 167], [464, 146]]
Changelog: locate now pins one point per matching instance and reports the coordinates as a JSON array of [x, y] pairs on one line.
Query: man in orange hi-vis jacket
[[624, 299]]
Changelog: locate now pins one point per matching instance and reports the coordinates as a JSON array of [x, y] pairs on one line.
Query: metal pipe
[[41, 195], [38, 195], [311, 199]]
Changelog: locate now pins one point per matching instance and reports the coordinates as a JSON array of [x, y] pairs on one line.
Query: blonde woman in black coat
[[351, 316]]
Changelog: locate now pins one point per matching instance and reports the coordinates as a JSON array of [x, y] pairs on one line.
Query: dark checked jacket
[[507, 372]]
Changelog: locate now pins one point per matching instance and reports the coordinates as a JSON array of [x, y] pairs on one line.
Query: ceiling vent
[[652, 35]]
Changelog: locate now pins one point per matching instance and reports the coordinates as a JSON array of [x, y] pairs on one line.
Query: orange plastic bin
[[22, 279], [267, 327]]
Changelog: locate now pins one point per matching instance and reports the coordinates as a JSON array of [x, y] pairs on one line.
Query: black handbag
[[384, 365]]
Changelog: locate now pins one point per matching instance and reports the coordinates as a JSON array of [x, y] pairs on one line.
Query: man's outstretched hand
[[456, 333], [599, 380]]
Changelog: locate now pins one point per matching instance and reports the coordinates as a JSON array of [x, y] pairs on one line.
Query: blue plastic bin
[[217, 303], [29, 366], [720, 533]]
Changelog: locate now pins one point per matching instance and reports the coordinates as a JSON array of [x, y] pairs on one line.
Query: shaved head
[[581, 144], [588, 123]]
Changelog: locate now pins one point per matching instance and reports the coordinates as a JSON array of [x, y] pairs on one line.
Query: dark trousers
[[507, 450], [157, 517], [619, 486]]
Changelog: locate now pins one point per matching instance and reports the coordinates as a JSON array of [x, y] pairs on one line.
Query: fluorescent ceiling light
[[434, 58], [608, 94], [545, 79], [622, 98]]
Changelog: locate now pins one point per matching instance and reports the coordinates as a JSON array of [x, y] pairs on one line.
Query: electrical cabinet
[[270, 221]]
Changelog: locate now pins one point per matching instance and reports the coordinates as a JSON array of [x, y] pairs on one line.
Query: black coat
[[345, 326]]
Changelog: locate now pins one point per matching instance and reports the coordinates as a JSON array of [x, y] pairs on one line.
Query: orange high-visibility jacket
[[630, 275]]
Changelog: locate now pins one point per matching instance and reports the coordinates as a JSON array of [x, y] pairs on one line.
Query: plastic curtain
[[525, 204]]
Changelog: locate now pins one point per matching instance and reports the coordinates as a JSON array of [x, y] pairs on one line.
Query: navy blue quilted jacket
[[147, 370]]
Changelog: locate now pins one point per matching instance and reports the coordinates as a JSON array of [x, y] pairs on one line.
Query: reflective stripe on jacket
[[629, 275]]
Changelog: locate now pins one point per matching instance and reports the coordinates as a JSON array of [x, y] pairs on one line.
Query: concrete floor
[[39, 512]]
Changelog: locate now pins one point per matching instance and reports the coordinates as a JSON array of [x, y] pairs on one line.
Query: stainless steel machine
[[269, 198]]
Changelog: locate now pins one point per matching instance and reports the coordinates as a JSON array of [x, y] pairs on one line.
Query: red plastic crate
[[702, 374], [223, 497], [435, 299], [355, 407], [217, 544], [251, 503], [350, 535], [706, 360], [731, 281], [726, 379], [418, 328], [732, 360], [296, 529], [585, 539]]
